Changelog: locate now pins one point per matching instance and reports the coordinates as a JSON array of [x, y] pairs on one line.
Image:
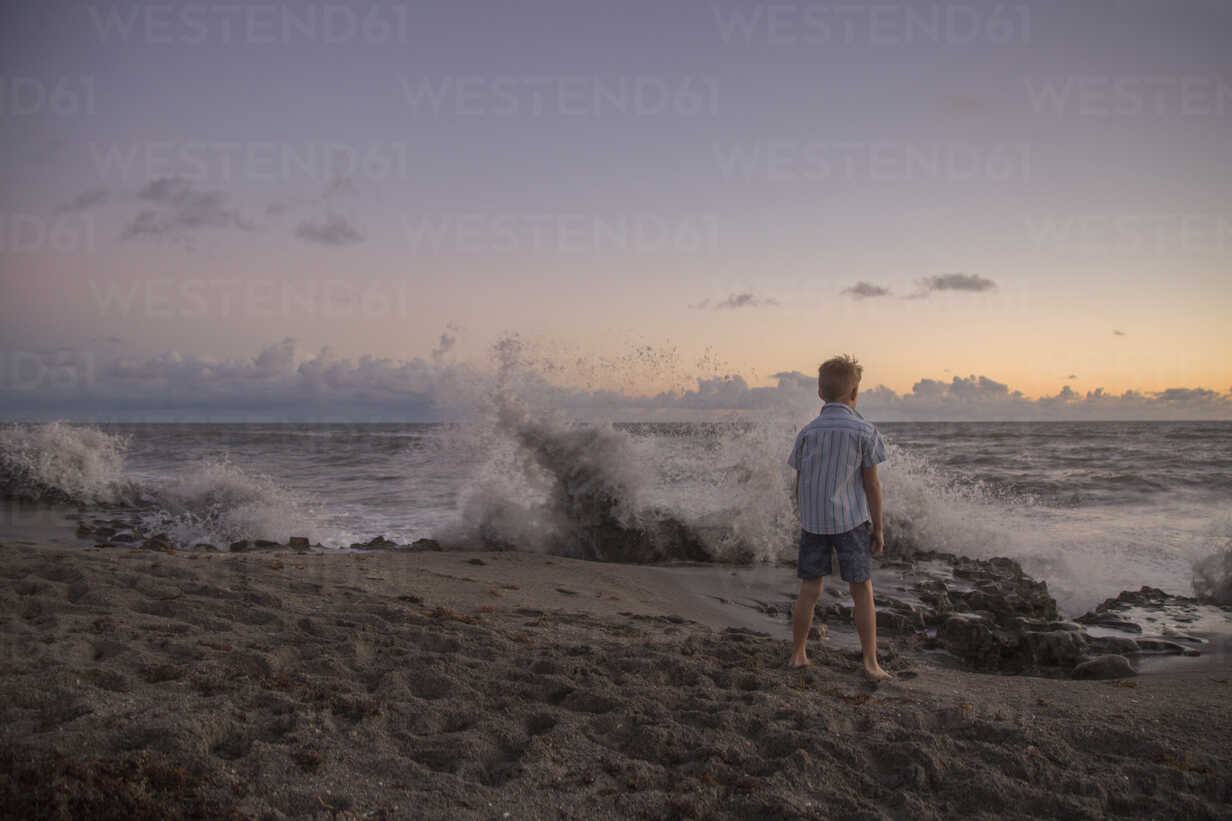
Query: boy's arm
[[872, 490]]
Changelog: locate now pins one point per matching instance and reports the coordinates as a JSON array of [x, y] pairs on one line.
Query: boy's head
[[838, 377]]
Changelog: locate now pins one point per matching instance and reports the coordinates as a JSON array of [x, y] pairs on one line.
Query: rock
[[426, 544], [890, 621], [159, 542], [205, 546], [266, 544], [1112, 645], [376, 543], [1104, 667], [937, 596], [242, 546], [1054, 648], [971, 638], [1159, 646], [1106, 619], [124, 537], [298, 542], [894, 614], [1144, 597], [1001, 588]]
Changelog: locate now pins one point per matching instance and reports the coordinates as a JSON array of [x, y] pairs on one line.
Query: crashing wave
[[63, 463]]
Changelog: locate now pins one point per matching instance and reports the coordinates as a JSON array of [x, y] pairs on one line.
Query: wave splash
[[218, 502], [523, 474], [546, 482], [210, 500], [586, 500], [1213, 574], [61, 463]]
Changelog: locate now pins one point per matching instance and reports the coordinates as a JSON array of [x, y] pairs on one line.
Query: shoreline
[[396, 684]]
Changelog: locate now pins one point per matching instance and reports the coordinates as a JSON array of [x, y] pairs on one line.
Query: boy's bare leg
[[802, 619], [866, 626]]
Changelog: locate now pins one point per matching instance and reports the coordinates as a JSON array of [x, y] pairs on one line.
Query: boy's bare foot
[[875, 673], [798, 662]]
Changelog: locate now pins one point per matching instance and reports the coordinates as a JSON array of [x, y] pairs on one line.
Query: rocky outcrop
[[993, 617], [376, 543], [1020, 646]]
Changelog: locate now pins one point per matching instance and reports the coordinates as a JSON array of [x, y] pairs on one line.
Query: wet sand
[[494, 685]]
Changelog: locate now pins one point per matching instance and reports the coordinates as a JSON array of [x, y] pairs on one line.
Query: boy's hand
[[876, 541]]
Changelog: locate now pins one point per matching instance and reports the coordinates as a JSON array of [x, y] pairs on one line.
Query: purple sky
[[1038, 195]]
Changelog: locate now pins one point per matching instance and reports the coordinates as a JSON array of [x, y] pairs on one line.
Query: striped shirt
[[830, 453]]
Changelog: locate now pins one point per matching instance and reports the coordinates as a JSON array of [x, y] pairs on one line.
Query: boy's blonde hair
[[837, 376]]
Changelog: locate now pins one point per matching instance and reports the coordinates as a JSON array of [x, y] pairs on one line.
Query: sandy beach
[[401, 684]]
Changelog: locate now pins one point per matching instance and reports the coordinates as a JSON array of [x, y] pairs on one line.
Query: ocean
[[1093, 508]]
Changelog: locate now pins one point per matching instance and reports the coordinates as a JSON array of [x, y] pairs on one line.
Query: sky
[[1003, 210]]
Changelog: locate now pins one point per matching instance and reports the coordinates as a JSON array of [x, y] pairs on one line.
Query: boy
[[839, 500]]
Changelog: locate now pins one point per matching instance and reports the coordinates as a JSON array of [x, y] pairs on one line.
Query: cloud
[[745, 299], [1115, 332], [795, 379], [283, 382], [83, 201], [929, 388], [179, 207], [1186, 394], [866, 290], [275, 209], [334, 229], [977, 387], [955, 282]]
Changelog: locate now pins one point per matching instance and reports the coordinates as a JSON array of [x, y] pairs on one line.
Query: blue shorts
[[854, 549]]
